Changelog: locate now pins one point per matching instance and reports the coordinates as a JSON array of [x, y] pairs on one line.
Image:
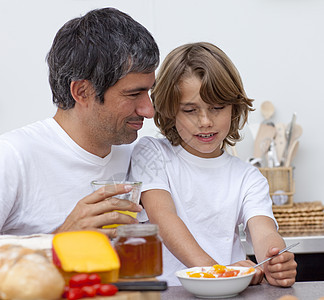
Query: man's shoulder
[[25, 132], [29, 128]]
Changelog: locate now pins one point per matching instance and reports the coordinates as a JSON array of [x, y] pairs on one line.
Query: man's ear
[[81, 91]]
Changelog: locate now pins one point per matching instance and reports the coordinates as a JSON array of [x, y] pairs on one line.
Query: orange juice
[[125, 212]]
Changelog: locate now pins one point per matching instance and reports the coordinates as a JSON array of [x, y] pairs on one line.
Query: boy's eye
[[218, 107], [189, 110]]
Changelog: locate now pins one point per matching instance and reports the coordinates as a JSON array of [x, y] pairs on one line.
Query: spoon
[[267, 109], [265, 135], [292, 153], [282, 251]]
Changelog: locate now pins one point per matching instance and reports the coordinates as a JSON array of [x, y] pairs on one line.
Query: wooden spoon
[[292, 153], [296, 133], [267, 109], [265, 135], [280, 139]]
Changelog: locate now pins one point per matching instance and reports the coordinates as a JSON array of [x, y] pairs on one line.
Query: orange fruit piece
[[207, 275], [200, 275], [249, 271], [219, 268], [194, 275]]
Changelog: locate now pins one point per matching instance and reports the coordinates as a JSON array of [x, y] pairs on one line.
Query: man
[[101, 67]]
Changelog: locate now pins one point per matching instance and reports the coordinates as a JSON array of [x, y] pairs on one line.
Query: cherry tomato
[[107, 290], [65, 291], [97, 286], [75, 293], [79, 280], [89, 291], [94, 279]]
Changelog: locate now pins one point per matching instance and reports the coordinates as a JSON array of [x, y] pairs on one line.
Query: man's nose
[[145, 107]]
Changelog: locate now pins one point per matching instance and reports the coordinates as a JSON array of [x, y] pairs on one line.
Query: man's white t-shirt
[[212, 197], [44, 173]]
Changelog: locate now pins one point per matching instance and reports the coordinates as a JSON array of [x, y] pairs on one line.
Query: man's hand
[[281, 270], [98, 209], [258, 276]]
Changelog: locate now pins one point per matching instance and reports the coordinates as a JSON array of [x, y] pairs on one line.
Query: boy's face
[[201, 126]]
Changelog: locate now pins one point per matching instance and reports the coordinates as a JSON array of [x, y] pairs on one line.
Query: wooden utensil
[[280, 139], [267, 109], [263, 139], [292, 151], [297, 132]]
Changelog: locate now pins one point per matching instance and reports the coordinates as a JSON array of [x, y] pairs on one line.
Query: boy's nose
[[205, 119]]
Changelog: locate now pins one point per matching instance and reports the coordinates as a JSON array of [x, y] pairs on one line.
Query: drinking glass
[[134, 195]]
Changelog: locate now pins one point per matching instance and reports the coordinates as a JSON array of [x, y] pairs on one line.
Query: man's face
[[125, 106]]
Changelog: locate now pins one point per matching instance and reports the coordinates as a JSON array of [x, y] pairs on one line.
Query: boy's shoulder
[[243, 165], [150, 140], [156, 145]]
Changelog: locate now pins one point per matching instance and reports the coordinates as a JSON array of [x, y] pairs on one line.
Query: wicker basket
[[281, 184]]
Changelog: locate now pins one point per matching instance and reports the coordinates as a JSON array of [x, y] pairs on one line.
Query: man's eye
[[134, 95]]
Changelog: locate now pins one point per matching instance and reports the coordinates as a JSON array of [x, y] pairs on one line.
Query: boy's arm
[[161, 210], [281, 270]]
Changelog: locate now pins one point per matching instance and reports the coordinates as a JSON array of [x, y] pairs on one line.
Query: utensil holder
[[281, 183]]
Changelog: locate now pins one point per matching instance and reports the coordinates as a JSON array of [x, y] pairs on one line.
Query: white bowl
[[215, 287]]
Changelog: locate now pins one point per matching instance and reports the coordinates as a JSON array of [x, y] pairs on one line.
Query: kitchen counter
[[312, 243], [310, 250], [301, 290]]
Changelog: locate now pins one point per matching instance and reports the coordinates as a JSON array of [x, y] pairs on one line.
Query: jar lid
[[137, 230]]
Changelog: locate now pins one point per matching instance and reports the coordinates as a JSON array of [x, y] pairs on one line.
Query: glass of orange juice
[[134, 195]]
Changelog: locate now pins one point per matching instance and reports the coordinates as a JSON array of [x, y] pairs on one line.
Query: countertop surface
[[302, 290], [311, 243]]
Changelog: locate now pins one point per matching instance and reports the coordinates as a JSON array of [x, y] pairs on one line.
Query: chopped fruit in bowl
[[217, 281], [218, 271]]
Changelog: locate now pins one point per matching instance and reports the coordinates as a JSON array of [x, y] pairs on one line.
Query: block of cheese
[[85, 252]]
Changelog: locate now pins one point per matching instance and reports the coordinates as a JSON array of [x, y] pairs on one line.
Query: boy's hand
[[281, 270]]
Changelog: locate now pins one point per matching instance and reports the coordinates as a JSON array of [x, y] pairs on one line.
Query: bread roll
[[28, 274]]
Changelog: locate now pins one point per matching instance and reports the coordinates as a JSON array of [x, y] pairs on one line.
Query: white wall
[[277, 46]]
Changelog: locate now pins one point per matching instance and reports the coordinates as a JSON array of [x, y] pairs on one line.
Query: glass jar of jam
[[139, 248]]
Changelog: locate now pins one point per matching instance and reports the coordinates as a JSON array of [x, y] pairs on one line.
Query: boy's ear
[[81, 91]]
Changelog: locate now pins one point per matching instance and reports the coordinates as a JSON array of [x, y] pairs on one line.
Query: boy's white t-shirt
[[44, 173], [212, 197]]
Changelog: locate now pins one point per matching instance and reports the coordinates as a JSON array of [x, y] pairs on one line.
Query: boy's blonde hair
[[220, 84]]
